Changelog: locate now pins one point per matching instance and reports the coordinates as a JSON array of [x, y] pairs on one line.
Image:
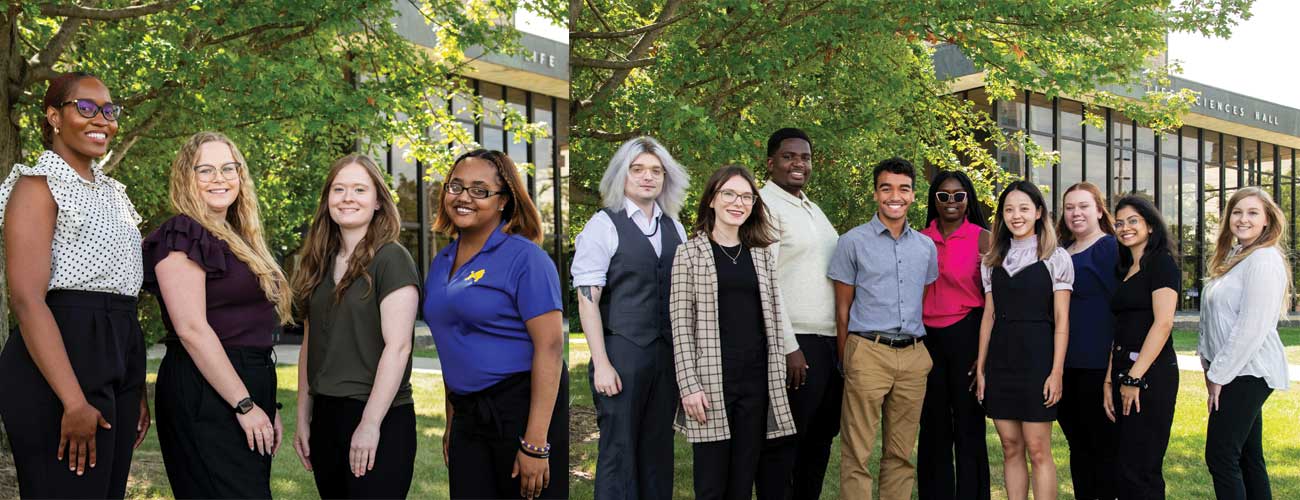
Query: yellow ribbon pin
[[476, 275]]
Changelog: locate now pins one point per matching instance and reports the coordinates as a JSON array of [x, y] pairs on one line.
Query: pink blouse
[[951, 297]]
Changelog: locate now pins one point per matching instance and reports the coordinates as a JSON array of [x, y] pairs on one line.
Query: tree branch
[[248, 32], [638, 52], [607, 136], [40, 67], [604, 64], [89, 12], [130, 138], [596, 35]]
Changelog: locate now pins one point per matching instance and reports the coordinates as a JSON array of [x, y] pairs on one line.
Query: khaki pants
[[881, 379]]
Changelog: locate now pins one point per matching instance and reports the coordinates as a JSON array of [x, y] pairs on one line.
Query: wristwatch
[[244, 406]]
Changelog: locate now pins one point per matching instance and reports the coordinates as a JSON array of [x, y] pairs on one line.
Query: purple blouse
[[236, 307]]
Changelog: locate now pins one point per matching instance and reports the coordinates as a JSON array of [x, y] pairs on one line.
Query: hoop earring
[[56, 130]]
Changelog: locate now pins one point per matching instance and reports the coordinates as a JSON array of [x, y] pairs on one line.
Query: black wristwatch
[[1140, 383], [244, 406]]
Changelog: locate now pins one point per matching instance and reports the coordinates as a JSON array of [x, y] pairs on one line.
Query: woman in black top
[[1143, 373]]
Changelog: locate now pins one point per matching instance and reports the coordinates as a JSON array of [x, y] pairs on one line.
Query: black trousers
[[1144, 436], [748, 463], [203, 447], [485, 433], [816, 411], [333, 420], [952, 420], [105, 346], [1090, 434], [1233, 449], [635, 459]]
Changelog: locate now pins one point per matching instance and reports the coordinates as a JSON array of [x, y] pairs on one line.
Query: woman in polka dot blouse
[[73, 398]]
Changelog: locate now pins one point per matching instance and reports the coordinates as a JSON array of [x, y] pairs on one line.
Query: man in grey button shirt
[[880, 270]]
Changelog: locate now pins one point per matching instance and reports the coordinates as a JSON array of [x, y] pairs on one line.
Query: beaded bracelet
[[542, 452]]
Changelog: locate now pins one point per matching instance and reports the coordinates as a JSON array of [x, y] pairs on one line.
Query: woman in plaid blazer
[[731, 373]]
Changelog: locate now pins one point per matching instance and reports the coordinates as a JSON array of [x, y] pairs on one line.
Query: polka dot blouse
[[96, 234]]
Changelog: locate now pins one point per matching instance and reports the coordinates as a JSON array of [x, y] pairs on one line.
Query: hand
[[77, 435], [535, 472], [695, 406], [1212, 403], [979, 385], [1129, 398], [257, 428], [142, 425], [279, 434], [302, 440], [361, 457], [1108, 401], [796, 369], [606, 380], [1052, 389]]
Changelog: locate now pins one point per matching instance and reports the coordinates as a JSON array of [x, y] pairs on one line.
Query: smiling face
[[472, 214], [219, 193], [1248, 219], [645, 179], [1019, 214], [791, 166], [734, 212], [353, 199], [951, 211], [894, 195], [85, 137], [1082, 215], [1131, 229]]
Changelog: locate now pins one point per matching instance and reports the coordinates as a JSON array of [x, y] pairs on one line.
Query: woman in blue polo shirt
[[493, 305]]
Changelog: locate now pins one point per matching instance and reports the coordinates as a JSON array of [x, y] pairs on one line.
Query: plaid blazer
[[697, 347]]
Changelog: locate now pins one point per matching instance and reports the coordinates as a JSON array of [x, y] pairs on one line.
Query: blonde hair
[[1273, 236], [241, 229]]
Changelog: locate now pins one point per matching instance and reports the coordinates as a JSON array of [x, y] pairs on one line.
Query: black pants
[[105, 346], [203, 447], [748, 463], [485, 433], [952, 420], [636, 425], [1233, 450], [1143, 436], [816, 411], [333, 420], [1090, 434]]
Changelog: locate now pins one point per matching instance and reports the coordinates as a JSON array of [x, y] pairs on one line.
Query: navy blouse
[[1092, 324]]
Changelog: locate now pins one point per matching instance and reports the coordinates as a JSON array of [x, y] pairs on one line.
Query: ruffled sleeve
[[70, 217], [185, 235]]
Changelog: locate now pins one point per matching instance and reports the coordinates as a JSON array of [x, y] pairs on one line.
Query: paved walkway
[[287, 355]]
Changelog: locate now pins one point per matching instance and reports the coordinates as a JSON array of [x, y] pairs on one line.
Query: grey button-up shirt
[[888, 275]]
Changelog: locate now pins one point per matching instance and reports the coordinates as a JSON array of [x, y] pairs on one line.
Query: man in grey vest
[[621, 267]]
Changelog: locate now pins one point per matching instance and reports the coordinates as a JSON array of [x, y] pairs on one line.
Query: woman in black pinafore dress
[[1023, 336]]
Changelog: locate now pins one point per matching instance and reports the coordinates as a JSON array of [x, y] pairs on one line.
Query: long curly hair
[[241, 229], [324, 238]]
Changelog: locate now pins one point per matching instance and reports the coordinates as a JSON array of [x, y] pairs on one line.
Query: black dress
[[1144, 436], [1021, 346]]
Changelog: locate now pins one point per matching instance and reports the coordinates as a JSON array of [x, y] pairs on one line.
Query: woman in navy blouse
[[1086, 230], [493, 305]]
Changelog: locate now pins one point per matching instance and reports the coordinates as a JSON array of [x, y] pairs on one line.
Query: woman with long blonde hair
[[357, 288], [1239, 345], [222, 296]]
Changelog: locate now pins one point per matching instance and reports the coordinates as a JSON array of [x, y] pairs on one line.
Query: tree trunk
[[10, 147]]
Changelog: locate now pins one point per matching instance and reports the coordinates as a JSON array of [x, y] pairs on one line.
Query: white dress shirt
[[1239, 315], [596, 244]]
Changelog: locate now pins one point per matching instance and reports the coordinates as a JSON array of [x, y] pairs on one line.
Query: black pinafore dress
[[1021, 346]]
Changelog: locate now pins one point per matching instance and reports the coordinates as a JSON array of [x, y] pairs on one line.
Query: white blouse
[[96, 244], [1022, 254], [1239, 322]]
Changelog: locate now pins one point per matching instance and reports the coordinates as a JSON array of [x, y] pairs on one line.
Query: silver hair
[[675, 177]]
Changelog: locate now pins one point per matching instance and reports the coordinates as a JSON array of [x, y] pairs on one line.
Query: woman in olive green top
[[358, 289]]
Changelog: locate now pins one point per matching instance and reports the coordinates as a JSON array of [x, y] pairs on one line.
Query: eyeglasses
[[478, 193], [208, 173], [87, 109], [728, 197], [945, 197], [641, 170], [1131, 222]]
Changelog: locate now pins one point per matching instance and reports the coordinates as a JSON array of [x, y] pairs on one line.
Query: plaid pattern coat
[[697, 347]]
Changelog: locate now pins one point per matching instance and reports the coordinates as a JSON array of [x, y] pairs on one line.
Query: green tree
[[712, 78]]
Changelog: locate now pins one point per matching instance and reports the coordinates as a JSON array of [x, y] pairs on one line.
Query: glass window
[[1040, 111], [1095, 163], [1121, 130], [1011, 114], [1122, 172], [405, 182], [1211, 149], [1011, 160], [980, 99], [1071, 118], [1250, 162], [543, 149], [1169, 143], [1267, 166], [1071, 163], [1230, 165], [516, 146], [1189, 143], [1146, 139], [1042, 172], [494, 135], [1191, 214], [1093, 134], [1145, 171], [1169, 188]]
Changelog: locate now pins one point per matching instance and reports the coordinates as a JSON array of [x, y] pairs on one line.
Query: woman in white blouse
[[1239, 345]]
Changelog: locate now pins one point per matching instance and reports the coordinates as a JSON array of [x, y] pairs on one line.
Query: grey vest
[[634, 303]]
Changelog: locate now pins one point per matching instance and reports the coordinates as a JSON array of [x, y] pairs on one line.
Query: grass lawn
[[425, 352], [288, 479], [1185, 342], [1185, 472]]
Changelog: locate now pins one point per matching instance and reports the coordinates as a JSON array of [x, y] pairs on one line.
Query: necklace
[[738, 252], [652, 233]]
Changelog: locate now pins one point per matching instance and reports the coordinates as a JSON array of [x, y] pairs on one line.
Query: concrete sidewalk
[[287, 355]]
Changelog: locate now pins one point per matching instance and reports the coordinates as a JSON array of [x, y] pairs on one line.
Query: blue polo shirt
[[477, 316]]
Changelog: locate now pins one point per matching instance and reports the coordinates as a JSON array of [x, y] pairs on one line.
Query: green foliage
[[723, 74]]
